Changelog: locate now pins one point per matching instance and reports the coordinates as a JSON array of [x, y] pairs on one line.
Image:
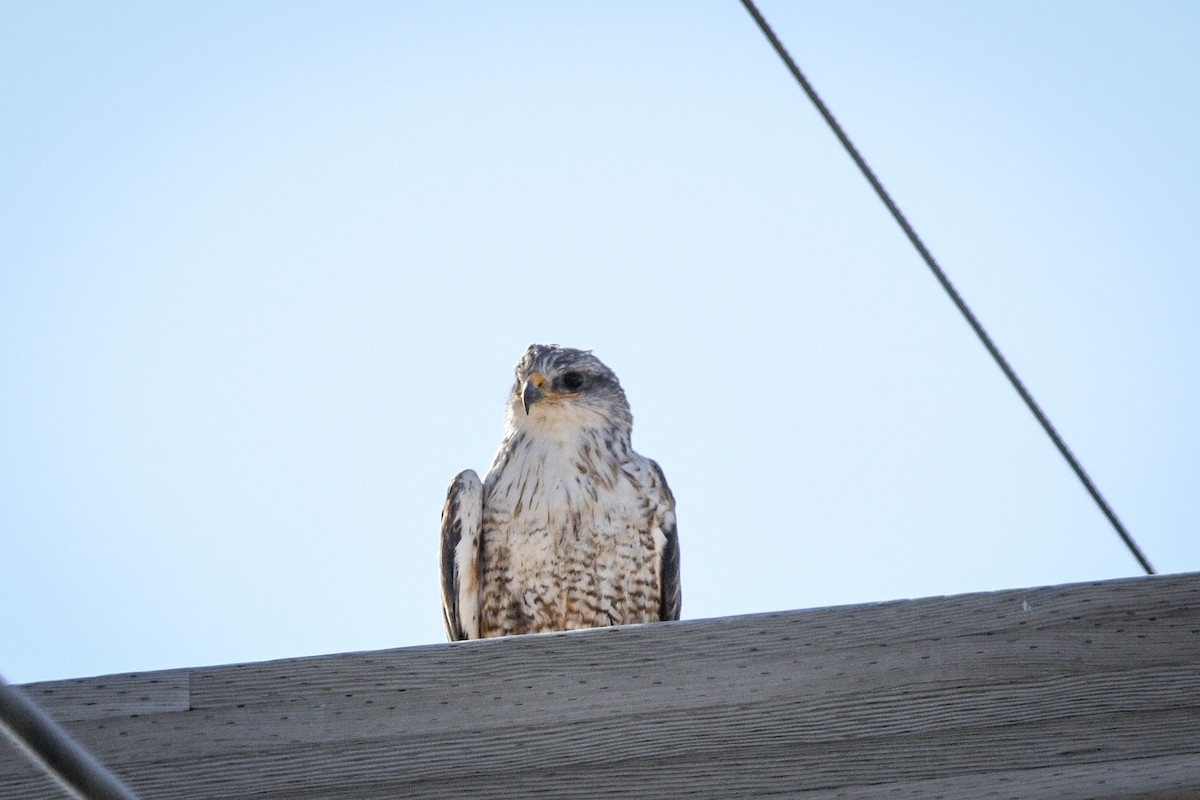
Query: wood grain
[[1089, 690], [113, 696]]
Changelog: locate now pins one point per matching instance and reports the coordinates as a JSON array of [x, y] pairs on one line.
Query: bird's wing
[[461, 523], [666, 545]]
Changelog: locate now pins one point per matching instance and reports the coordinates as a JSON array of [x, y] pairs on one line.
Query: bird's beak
[[532, 392]]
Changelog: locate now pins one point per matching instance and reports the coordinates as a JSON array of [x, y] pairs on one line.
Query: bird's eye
[[572, 381]]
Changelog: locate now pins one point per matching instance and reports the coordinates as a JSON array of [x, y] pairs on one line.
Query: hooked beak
[[532, 392]]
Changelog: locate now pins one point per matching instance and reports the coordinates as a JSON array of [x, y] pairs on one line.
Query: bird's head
[[561, 387]]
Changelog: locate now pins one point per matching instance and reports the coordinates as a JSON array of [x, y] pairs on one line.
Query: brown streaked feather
[[671, 602], [671, 598], [460, 556]]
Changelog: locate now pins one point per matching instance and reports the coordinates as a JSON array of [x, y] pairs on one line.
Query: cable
[[51, 747], [949, 287]]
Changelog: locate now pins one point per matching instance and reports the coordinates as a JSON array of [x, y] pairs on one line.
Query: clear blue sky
[[266, 269]]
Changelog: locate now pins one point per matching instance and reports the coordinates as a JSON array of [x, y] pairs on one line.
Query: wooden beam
[[1083, 691]]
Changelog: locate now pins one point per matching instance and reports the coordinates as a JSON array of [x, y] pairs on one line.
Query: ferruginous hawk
[[571, 528]]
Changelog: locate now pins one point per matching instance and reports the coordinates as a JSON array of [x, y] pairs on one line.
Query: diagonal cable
[[50, 746], [1008, 371]]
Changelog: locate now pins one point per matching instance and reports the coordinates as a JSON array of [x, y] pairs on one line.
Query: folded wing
[[666, 545], [461, 520]]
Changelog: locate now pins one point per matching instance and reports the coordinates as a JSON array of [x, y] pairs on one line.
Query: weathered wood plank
[[921, 709], [1057, 692], [719, 763], [113, 695], [1043, 634], [1155, 778]]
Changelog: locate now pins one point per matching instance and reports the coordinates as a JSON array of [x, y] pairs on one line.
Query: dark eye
[[572, 381]]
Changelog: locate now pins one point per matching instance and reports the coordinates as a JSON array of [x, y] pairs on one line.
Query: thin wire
[[949, 287]]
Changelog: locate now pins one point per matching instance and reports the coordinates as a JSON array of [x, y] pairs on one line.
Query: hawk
[[571, 528]]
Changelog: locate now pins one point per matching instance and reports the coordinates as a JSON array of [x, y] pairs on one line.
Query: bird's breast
[[566, 544]]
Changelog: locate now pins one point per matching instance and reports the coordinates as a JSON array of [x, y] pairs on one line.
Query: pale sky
[[267, 268]]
